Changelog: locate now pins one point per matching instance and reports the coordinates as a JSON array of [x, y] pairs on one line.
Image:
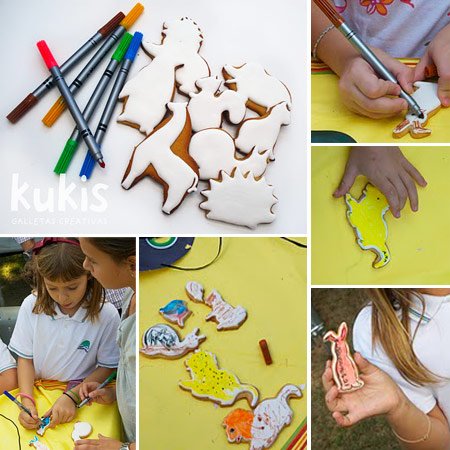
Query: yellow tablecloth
[[268, 277], [419, 242], [329, 113], [105, 419]]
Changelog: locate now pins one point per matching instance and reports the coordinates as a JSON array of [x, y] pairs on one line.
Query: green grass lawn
[[335, 306], [12, 286]]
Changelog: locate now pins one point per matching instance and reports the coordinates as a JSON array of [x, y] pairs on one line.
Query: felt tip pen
[[127, 61], [48, 84], [107, 381], [21, 406], [59, 106], [71, 104]]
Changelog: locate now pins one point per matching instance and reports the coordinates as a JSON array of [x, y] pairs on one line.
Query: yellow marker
[[366, 216], [218, 385]]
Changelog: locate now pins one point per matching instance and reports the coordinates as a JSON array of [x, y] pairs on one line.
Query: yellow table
[[105, 419], [419, 242], [329, 113], [268, 277]]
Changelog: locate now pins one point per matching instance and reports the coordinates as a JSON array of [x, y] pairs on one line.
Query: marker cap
[[134, 46], [132, 16], [122, 47], [46, 54]]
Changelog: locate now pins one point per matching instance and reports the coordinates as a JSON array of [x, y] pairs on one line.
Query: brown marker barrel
[[265, 351]]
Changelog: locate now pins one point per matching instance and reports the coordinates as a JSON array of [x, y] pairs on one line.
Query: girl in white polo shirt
[[66, 332], [403, 338], [8, 372]]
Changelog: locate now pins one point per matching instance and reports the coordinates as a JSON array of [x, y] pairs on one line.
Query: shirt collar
[[77, 317], [432, 305]]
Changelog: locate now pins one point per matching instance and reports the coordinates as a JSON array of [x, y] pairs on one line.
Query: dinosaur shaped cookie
[[366, 216]]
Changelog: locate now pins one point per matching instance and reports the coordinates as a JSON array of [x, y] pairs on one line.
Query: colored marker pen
[[71, 104], [59, 106], [48, 84], [73, 141], [88, 165], [107, 381], [21, 406]]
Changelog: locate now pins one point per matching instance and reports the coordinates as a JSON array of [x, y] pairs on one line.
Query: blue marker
[[21, 406]]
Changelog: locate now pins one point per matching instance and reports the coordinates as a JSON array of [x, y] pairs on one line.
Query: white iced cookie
[[428, 100], [239, 199], [81, 430], [208, 106], [261, 89], [37, 444], [213, 150]]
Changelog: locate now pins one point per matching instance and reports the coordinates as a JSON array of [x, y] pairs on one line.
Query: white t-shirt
[[66, 348], [6, 359], [432, 339], [402, 28]]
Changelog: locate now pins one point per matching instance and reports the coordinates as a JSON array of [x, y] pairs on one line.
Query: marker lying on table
[[71, 104], [107, 381], [73, 141], [88, 165], [21, 406], [338, 21], [60, 105], [48, 84]]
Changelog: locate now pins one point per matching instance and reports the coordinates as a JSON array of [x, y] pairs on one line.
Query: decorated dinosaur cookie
[[37, 444], [366, 216], [81, 430], [239, 199], [226, 316], [163, 341], [262, 426], [208, 382], [262, 132], [345, 370], [213, 150], [428, 100], [261, 89], [43, 426], [208, 106], [176, 311], [163, 155]]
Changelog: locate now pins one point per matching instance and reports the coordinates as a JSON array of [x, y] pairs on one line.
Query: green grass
[[335, 306], [12, 286]]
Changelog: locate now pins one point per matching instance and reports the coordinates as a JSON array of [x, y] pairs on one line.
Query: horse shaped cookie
[[37, 444], [366, 216], [211, 383], [428, 100], [226, 316], [163, 155], [262, 426], [345, 371]]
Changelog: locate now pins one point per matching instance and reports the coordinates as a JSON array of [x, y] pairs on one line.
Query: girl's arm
[[25, 375], [8, 380]]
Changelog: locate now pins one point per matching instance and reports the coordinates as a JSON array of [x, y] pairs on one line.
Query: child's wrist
[[399, 408]]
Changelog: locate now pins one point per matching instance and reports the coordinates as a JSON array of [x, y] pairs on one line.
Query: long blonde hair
[[394, 332]]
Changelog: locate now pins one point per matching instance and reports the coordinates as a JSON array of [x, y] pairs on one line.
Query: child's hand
[[365, 93], [62, 411], [30, 423], [389, 170], [103, 443], [438, 53], [379, 395], [104, 396]]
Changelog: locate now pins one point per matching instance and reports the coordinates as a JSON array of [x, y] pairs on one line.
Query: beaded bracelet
[[314, 52]]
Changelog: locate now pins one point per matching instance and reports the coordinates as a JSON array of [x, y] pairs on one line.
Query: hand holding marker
[[101, 386], [73, 141], [60, 105], [71, 104], [88, 165], [21, 406], [48, 84]]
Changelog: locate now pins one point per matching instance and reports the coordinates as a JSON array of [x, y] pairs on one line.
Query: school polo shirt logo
[[85, 345]]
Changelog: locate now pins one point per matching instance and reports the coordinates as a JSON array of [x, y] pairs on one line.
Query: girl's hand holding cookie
[[62, 411]]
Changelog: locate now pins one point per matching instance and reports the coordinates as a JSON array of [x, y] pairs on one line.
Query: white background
[[271, 32]]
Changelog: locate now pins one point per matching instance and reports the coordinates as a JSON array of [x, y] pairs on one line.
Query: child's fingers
[[347, 181], [364, 366], [343, 421], [56, 419], [419, 70], [390, 192], [327, 379], [331, 399], [373, 87], [414, 173], [402, 193], [412, 191], [380, 107]]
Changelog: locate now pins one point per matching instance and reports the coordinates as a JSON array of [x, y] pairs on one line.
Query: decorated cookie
[[262, 132], [37, 444], [428, 100], [163, 155], [181, 43], [208, 382], [81, 430], [262, 426], [261, 89], [43, 426], [213, 150], [366, 216], [176, 311], [195, 291], [239, 199], [345, 370], [162, 341], [208, 106]]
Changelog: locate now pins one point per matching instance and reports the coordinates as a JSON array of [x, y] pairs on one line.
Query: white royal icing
[[213, 150], [239, 199], [206, 107], [182, 42], [226, 316], [257, 85], [263, 132], [195, 291], [81, 430], [37, 444], [156, 150]]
